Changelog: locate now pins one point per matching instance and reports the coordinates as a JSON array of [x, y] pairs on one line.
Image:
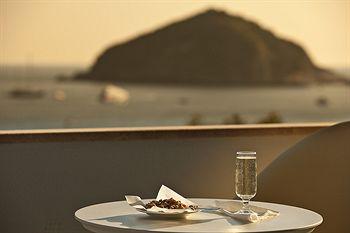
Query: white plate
[[168, 215]]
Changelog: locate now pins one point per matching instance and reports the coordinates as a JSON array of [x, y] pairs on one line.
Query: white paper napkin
[[163, 193], [231, 207]]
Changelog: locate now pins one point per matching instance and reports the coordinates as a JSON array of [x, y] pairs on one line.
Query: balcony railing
[[48, 174]]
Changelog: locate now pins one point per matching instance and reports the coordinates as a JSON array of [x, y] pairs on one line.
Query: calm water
[[155, 105]]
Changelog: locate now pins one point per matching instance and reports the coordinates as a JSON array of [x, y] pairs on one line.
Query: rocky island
[[211, 48]]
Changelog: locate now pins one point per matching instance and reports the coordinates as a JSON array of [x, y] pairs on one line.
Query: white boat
[[114, 94], [59, 95]]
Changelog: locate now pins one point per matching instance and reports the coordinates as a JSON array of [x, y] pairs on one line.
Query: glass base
[[247, 212]]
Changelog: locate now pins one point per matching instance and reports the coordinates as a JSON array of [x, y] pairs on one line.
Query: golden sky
[[76, 31]]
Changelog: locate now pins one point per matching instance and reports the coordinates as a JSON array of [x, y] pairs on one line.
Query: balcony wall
[[47, 175]]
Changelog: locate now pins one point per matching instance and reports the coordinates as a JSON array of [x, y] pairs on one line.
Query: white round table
[[120, 217]]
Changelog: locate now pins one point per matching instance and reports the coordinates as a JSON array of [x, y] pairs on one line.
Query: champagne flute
[[246, 178]]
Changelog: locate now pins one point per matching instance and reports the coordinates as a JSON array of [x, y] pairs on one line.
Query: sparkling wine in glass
[[246, 178]]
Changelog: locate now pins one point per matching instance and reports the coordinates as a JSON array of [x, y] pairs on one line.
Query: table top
[[120, 217]]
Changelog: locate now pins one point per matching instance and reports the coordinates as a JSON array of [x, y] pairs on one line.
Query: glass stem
[[245, 206]]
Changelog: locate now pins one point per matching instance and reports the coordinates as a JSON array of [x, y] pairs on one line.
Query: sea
[[155, 105]]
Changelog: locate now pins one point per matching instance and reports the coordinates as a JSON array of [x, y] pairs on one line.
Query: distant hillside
[[211, 48]]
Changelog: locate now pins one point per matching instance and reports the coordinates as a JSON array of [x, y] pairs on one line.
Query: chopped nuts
[[169, 204]]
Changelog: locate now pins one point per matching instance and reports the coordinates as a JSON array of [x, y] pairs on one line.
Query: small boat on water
[[114, 94], [59, 95], [26, 93]]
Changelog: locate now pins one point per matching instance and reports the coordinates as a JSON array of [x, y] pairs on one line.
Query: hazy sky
[[75, 32]]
